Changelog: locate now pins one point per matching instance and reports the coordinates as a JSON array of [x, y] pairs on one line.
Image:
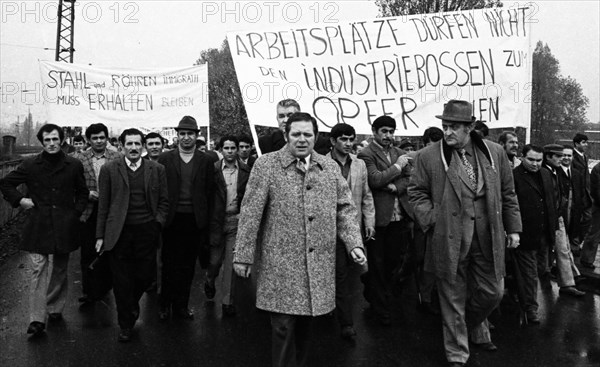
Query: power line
[[26, 46]]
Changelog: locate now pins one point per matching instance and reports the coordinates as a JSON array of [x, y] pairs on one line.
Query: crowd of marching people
[[459, 216]]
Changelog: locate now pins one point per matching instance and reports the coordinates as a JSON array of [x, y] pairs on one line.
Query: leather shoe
[[228, 310], [488, 347], [348, 332], [124, 336], [532, 317], [184, 313], [55, 316], [36, 328], [209, 290], [571, 291]]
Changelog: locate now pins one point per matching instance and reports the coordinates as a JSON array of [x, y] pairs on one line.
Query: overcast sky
[[147, 34]]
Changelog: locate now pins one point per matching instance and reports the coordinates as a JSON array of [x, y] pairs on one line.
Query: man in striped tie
[[463, 195]]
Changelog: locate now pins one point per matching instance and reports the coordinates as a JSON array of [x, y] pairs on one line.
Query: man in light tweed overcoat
[[296, 204]]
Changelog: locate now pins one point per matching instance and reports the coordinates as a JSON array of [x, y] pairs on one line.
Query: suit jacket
[[59, 194], [86, 158], [435, 192], [242, 181], [292, 220], [113, 201], [251, 160], [381, 173], [361, 193], [538, 216], [595, 185], [203, 185], [582, 199]]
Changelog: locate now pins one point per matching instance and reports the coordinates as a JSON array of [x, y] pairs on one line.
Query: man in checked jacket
[[94, 284]]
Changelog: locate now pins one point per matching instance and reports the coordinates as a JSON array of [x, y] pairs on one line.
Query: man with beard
[[553, 154], [510, 143], [55, 199], [132, 209], [533, 186], [95, 283], [190, 179]]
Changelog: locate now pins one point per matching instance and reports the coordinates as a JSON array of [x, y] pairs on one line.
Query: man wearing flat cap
[[553, 154], [190, 181], [463, 196]]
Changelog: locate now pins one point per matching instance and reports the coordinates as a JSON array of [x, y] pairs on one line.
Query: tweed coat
[[381, 173], [537, 207], [87, 159], [361, 193], [113, 201], [59, 194], [288, 224], [435, 194]]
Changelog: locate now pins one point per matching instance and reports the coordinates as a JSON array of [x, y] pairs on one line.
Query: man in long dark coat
[[57, 195]]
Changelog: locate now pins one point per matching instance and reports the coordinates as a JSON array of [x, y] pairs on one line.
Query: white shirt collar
[[137, 164], [307, 159]]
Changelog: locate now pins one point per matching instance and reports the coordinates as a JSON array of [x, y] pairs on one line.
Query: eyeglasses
[[284, 115]]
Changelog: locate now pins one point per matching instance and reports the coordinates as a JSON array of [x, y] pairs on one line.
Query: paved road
[[569, 335]]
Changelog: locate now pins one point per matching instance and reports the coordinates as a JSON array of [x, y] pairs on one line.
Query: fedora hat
[[457, 111], [187, 123]]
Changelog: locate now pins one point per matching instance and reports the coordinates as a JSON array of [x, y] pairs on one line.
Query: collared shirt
[[578, 152], [231, 177], [345, 167], [307, 159], [97, 163], [137, 164], [567, 170]]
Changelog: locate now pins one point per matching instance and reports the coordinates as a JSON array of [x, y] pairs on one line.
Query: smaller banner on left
[[79, 95]]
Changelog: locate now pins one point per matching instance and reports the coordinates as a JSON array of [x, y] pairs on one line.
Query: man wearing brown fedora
[[190, 181], [463, 196]]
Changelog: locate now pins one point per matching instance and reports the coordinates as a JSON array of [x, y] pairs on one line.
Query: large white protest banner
[[79, 95], [406, 67]]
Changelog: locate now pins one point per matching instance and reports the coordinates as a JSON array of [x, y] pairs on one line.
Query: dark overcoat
[[435, 194], [538, 214], [59, 194]]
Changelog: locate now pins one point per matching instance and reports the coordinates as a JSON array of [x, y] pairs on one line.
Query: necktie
[[132, 165], [469, 168], [301, 165], [569, 174]]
